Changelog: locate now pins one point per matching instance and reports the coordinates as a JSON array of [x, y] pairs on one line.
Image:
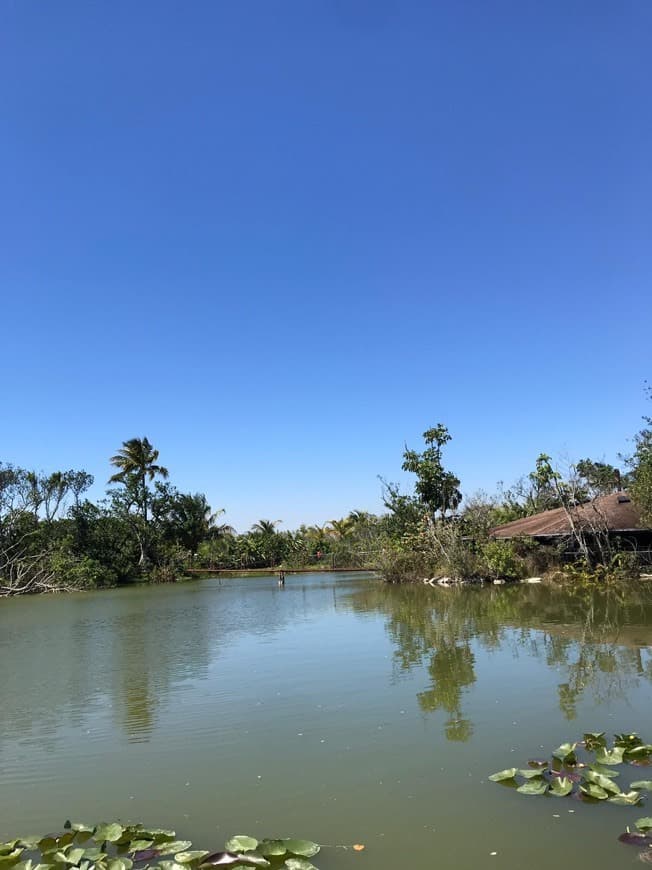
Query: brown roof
[[615, 512]]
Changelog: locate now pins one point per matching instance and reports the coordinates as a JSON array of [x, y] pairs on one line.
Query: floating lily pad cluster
[[133, 847], [570, 772]]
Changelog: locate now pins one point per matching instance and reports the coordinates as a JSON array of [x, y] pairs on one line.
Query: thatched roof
[[614, 513]]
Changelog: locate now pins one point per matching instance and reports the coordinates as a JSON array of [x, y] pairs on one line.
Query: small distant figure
[[281, 578]]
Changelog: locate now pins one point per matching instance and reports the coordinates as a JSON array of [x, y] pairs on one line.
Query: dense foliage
[[52, 537]]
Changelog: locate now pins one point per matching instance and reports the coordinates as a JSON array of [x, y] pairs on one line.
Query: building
[[615, 516]]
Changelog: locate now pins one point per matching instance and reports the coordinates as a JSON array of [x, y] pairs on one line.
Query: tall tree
[[136, 461], [436, 488]]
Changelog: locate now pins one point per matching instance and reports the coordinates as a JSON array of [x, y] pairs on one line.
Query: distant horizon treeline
[[52, 537]]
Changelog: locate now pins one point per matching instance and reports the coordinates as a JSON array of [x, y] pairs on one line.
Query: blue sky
[[282, 238]]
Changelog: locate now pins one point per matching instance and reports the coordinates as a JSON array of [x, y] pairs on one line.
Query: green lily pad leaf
[[304, 848], [626, 799], [7, 848], [534, 786], [644, 824], [189, 857], [613, 756], [645, 784], [140, 845], [65, 839], [594, 791], [241, 843], [565, 753], [253, 858], [594, 739], [604, 770], [531, 774], [272, 848], [30, 842], [508, 773], [603, 781], [24, 865], [74, 856], [221, 858], [47, 844], [11, 859], [298, 864], [95, 855], [172, 865], [561, 786], [110, 833], [174, 847]]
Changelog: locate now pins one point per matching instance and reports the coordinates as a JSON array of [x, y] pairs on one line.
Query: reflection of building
[[614, 515]]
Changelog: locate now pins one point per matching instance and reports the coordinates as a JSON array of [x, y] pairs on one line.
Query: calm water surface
[[337, 708]]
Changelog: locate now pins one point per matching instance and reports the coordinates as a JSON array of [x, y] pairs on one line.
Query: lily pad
[[531, 774], [272, 848], [190, 857], [241, 843], [566, 753], [253, 858], [610, 756], [303, 848], [590, 789], [502, 775], [534, 786], [110, 833], [603, 781], [173, 847], [626, 799], [217, 859], [298, 864], [561, 786], [11, 858], [645, 784], [604, 770], [644, 824]]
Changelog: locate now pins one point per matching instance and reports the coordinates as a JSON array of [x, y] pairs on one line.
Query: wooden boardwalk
[[240, 572]]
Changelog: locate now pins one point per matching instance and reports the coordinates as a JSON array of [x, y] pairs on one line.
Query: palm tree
[[341, 528], [191, 519], [266, 527], [136, 460]]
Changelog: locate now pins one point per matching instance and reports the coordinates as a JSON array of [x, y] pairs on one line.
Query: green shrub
[[502, 560]]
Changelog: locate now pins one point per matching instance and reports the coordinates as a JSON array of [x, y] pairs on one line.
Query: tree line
[[52, 537]]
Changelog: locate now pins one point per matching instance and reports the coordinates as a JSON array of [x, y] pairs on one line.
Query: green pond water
[[337, 708]]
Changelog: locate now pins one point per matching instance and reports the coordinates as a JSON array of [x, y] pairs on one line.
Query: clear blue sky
[[282, 238]]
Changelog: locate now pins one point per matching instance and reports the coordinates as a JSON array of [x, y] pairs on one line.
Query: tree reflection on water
[[597, 638]]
